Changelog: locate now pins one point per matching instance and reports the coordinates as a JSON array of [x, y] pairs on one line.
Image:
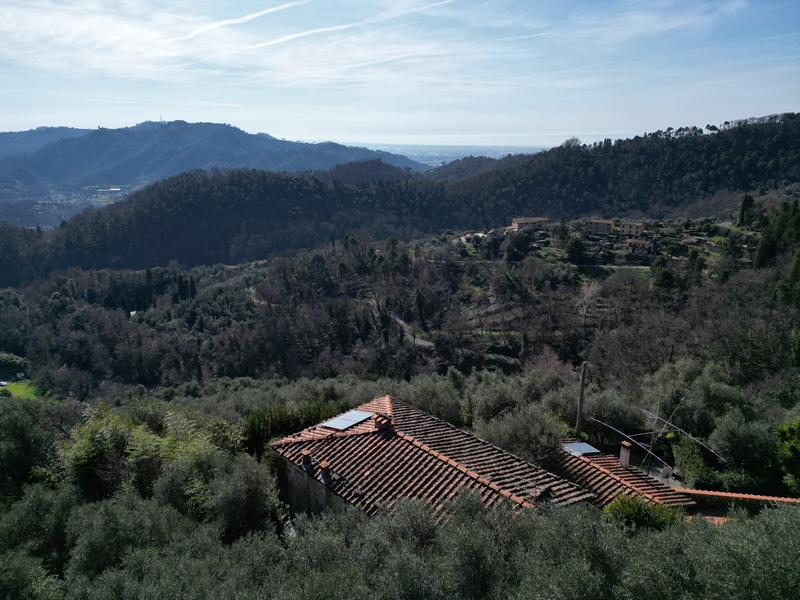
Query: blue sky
[[511, 73]]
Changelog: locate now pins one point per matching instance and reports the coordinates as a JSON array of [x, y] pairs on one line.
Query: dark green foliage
[[632, 514], [788, 440], [574, 250], [279, 419], [22, 577], [26, 442], [745, 443], [528, 432], [690, 464], [38, 522], [11, 362], [102, 533], [745, 211], [243, 499], [96, 459]]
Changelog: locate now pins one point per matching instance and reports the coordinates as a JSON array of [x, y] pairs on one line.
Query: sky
[[526, 73]]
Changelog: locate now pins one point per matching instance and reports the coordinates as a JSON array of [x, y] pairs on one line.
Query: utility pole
[[578, 423]]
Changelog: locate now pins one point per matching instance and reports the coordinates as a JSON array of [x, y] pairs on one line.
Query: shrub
[[632, 513]]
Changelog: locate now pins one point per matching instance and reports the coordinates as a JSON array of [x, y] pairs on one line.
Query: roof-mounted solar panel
[[348, 419], [580, 448]]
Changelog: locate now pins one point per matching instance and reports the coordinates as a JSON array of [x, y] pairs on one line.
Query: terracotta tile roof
[[602, 474], [736, 496], [402, 452]]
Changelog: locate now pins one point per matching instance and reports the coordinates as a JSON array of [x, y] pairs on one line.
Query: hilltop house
[[385, 451], [599, 227]]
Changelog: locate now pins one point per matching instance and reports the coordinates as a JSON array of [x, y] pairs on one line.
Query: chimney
[[306, 460], [325, 471], [625, 454], [384, 423]]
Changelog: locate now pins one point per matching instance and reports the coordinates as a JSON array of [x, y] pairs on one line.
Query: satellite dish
[[666, 472]]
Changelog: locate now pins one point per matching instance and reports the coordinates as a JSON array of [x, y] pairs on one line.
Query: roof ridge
[[322, 434], [462, 468], [387, 398]]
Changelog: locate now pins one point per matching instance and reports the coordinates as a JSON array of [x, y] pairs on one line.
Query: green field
[[22, 389]]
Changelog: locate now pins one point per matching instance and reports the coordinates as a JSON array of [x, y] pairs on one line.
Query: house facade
[[519, 223], [634, 246], [599, 227], [631, 229]]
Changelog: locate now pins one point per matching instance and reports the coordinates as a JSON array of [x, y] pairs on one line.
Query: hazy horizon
[[448, 72]]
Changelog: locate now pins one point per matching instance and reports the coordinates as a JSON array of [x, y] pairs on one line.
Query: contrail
[[244, 19], [294, 36], [388, 17]]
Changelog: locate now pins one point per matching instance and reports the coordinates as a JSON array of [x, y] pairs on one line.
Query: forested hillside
[[651, 174], [702, 323], [150, 361]]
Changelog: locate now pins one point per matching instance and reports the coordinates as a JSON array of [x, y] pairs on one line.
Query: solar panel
[[580, 448], [348, 419]]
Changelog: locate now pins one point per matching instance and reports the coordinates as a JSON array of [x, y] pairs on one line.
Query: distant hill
[[238, 215], [59, 159], [472, 165], [16, 143], [365, 171]]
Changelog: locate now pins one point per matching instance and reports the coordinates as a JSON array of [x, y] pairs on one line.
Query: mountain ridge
[[151, 151]]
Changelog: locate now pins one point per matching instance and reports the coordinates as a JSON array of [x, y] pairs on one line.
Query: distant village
[[613, 241]]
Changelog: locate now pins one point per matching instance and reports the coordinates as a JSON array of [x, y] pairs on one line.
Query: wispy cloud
[[776, 37], [408, 48], [396, 11]]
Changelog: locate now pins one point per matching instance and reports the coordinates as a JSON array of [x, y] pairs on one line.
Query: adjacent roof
[[402, 452], [728, 496], [602, 474]]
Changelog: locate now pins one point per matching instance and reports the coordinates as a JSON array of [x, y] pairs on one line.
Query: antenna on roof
[[580, 399], [690, 436], [629, 438]]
